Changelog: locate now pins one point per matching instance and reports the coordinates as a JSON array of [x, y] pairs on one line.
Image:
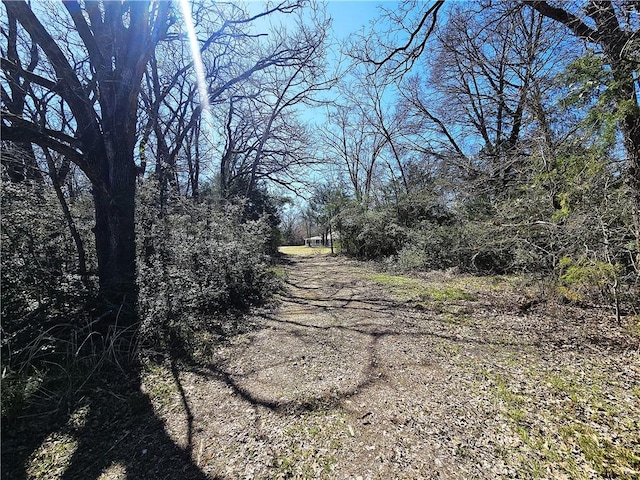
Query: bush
[[434, 247], [586, 278], [196, 261], [44, 300], [371, 234], [39, 258]]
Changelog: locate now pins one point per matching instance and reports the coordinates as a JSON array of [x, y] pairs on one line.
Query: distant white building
[[317, 241]]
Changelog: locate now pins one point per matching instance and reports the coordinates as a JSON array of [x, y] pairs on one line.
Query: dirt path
[[363, 375]]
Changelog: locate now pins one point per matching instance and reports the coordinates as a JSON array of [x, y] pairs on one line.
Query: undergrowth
[[568, 427]]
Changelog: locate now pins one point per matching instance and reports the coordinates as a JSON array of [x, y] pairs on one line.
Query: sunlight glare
[[207, 125], [195, 54]]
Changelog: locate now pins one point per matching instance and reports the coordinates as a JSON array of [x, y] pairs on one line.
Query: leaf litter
[[349, 377]]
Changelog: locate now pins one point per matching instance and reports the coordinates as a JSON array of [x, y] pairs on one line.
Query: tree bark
[[114, 231]]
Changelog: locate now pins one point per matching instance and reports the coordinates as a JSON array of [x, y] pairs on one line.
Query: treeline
[[501, 141]]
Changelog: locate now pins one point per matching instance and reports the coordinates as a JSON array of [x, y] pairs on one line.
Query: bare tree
[[266, 138], [372, 96], [252, 79], [97, 77], [486, 66], [354, 146]]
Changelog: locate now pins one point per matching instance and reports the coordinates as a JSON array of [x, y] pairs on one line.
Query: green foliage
[[579, 277], [39, 260], [370, 234], [407, 288], [435, 247], [197, 260], [420, 206], [593, 88], [42, 292], [570, 204], [586, 77], [257, 204]]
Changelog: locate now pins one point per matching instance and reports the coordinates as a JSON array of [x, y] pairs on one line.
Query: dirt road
[[360, 374]]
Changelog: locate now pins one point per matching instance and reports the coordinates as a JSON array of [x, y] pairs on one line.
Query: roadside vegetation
[[476, 312]]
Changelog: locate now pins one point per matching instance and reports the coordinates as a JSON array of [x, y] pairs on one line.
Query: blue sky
[[350, 16]]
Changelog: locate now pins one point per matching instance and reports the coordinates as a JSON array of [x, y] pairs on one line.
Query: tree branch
[[24, 131], [560, 15], [70, 87], [12, 67], [73, 7], [413, 51]]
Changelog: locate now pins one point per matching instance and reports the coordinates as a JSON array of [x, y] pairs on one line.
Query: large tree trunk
[[115, 237], [631, 134], [629, 109]]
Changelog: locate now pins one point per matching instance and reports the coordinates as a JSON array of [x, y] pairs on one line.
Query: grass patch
[[454, 318], [575, 426], [605, 457], [564, 386], [308, 448], [159, 385], [397, 284], [304, 251], [448, 294], [407, 288], [280, 273]]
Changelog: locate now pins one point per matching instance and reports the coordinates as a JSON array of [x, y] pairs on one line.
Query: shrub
[[39, 259], [585, 277], [197, 261], [370, 235]]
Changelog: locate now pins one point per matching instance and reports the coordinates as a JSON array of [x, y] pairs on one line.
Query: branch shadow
[[417, 327], [119, 426], [110, 422], [295, 406]]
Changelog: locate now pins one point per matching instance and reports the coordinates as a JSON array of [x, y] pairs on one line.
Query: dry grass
[[304, 251]]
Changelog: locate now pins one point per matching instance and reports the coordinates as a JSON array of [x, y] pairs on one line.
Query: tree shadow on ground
[[111, 423], [396, 320]]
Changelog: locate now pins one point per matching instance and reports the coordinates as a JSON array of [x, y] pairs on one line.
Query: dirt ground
[[358, 374]]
